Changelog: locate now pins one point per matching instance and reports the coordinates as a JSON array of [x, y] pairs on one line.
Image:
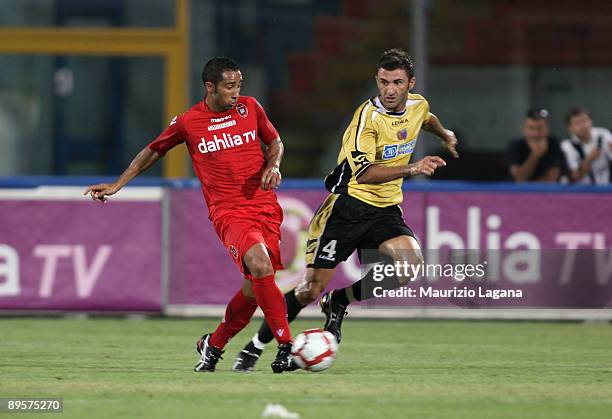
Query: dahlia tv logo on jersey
[[225, 141], [242, 110]]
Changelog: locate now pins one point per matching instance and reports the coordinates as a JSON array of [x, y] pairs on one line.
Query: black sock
[[293, 308], [364, 288], [339, 296], [356, 287]]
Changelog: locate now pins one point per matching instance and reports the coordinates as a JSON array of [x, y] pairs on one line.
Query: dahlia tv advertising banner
[[553, 248], [63, 254], [80, 255]]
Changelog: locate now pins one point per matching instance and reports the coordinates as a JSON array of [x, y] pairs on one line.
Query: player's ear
[[209, 87], [411, 83]]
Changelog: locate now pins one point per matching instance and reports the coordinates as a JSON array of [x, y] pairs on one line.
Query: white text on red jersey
[[225, 141]]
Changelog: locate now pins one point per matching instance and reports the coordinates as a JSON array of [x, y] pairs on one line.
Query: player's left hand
[[450, 142], [271, 178], [426, 166]]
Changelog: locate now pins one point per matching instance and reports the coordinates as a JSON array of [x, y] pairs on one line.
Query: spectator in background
[[536, 157], [588, 151]]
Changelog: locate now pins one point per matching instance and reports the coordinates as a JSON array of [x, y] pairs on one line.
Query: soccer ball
[[314, 350]]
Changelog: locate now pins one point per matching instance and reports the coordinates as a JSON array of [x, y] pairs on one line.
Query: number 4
[[330, 249]]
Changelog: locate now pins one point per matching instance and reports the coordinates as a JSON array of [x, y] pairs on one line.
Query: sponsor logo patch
[[225, 141], [390, 151], [408, 147], [225, 118], [222, 125]]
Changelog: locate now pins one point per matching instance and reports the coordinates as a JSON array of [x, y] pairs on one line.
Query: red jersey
[[225, 150]]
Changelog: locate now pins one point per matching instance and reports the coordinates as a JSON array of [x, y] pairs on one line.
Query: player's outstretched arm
[[141, 162], [426, 166], [376, 174], [271, 176], [448, 138]]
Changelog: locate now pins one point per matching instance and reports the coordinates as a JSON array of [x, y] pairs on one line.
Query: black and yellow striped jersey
[[377, 136]]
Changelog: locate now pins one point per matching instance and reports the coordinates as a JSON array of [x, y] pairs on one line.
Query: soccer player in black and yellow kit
[[365, 188]]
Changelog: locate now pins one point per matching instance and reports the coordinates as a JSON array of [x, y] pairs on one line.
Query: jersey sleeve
[[606, 142], [572, 158], [172, 136], [360, 145], [428, 113], [265, 129]]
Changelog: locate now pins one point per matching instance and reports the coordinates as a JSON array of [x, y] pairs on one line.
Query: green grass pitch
[[117, 368]]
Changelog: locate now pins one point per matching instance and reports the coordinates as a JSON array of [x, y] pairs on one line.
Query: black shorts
[[343, 223]]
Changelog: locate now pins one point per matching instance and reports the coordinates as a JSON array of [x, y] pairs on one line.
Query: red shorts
[[241, 228]]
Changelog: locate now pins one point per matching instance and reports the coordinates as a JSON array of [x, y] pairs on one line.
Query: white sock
[[258, 344]]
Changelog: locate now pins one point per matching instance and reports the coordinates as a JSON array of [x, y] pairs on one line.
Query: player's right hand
[[100, 191], [426, 166], [270, 178]]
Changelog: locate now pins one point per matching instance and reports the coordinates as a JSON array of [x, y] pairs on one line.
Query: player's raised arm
[[271, 176], [141, 162], [433, 125]]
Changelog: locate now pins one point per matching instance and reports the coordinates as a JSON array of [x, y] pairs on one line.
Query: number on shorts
[[330, 249]]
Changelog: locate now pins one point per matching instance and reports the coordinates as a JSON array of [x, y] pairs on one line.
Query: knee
[[310, 288], [260, 266], [412, 257], [307, 294], [410, 254]]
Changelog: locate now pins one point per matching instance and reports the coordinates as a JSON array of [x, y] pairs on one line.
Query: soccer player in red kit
[[223, 135]]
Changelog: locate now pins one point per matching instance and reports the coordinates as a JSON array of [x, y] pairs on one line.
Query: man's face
[[580, 126], [393, 87], [535, 129], [226, 93]]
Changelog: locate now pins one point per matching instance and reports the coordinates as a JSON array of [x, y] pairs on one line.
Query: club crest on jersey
[[242, 110], [389, 152], [402, 134], [233, 251]]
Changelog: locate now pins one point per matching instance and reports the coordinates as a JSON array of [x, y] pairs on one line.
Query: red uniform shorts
[[241, 228]]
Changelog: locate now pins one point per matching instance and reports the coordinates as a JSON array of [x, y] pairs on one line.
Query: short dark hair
[[537, 113], [396, 58], [576, 111], [214, 68]]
